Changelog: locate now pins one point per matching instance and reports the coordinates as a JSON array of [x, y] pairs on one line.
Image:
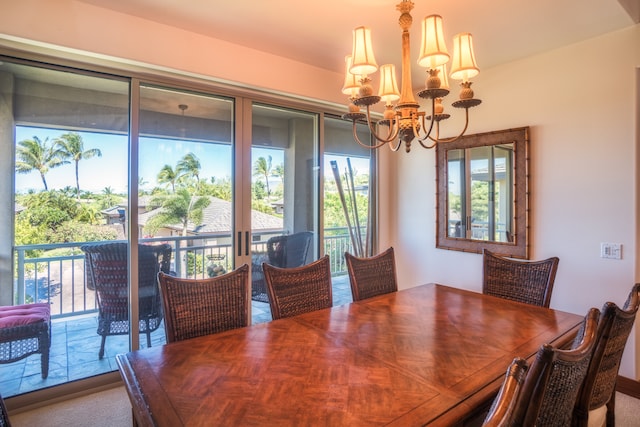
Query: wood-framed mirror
[[483, 193]]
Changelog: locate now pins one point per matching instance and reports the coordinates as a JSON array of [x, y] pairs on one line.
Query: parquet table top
[[425, 355]]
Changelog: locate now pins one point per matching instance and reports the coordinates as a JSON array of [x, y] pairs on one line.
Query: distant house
[[17, 208], [278, 206], [216, 221], [116, 214]]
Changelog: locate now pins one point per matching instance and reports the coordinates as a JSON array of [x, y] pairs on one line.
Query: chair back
[[298, 290], [106, 269], [4, 414], [372, 276], [196, 307], [530, 282], [289, 250], [600, 384], [502, 412], [551, 387]]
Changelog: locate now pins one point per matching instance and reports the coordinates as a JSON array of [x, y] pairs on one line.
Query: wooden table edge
[[483, 398], [143, 415]]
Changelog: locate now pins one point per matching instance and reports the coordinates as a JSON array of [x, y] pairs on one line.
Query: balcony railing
[[55, 273]]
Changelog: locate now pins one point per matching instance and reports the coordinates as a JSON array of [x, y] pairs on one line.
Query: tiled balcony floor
[[75, 345]]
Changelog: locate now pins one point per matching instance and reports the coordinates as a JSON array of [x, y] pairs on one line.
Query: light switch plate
[[611, 250]]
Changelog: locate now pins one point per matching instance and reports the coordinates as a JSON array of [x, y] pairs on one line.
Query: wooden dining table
[[428, 355]]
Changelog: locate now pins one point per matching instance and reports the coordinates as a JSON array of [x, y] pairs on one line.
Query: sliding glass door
[[284, 192], [113, 178], [185, 203], [70, 141]]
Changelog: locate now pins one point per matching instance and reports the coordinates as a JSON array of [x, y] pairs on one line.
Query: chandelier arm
[[397, 147], [368, 146], [454, 138], [428, 136], [390, 137], [415, 130]]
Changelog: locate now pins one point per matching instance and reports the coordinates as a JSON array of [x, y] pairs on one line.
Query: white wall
[[80, 26], [580, 102]]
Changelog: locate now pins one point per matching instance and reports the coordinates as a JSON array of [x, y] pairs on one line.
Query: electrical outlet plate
[[611, 250]]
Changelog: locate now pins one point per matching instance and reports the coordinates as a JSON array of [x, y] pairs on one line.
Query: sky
[[110, 170]]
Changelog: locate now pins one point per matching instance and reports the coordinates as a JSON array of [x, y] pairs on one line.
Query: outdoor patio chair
[[372, 276], [107, 273], [530, 282], [285, 251], [196, 307], [298, 290], [26, 330], [597, 400]]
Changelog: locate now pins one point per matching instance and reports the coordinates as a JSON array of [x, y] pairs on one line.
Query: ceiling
[[319, 32]]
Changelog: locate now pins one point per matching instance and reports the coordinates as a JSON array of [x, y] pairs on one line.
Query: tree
[[168, 175], [72, 147], [262, 169], [108, 198], [33, 154], [278, 172], [189, 166], [179, 208]]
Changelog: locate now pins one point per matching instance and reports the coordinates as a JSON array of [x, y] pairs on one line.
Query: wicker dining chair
[[197, 307], [4, 414], [502, 412], [372, 276], [298, 290], [107, 273], [529, 282], [596, 400], [550, 389]]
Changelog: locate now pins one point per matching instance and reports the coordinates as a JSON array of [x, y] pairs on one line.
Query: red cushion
[[18, 315]]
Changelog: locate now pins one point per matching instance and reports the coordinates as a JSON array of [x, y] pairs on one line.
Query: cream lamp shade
[[364, 62], [433, 50], [444, 80], [388, 87], [351, 85], [463, 66]]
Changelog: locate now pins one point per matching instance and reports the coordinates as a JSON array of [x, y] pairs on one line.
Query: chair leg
[[148, 335], [44, 363], [611, 410], [101, 352], [45, 346]]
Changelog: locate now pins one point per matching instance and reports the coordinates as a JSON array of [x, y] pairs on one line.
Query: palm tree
[[189, 166], [33, 154], [168, 175], [179, 208], [278, 172], [109, 198], [262, 169], [72, 147]]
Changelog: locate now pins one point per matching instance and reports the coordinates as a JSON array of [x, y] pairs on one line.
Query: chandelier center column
[[405, 21]]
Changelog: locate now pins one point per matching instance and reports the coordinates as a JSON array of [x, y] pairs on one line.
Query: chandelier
[[404, 120]]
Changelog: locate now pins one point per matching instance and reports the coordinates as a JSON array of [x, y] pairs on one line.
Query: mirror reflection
[[485, 212], [482, 193]]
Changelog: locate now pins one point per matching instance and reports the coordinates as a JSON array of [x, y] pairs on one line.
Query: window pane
[[456, 209], [186, 192], [284, 190], [71, 142], [347, 190], [481, 192]]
